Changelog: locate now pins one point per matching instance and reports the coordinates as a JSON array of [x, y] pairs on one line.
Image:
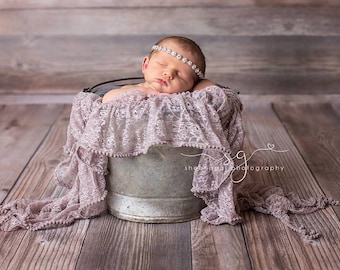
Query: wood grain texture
[[285, 49], [218, 247], [37, 99], [112, 243], [22, 130], [261, 242], [49, 249], [283, 248], [37, 176], [211, 21], [46, 249], [315, 129], [249, 64], [253, 46], [15, 4]]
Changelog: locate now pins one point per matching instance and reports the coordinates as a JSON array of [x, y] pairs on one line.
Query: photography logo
[[243, 166]]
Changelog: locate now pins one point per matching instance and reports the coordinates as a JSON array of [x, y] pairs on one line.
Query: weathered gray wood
[[218, 247], [11, 99], [315, 129], [37, 176], [11, 4], [271, 244], [249, 64], [57, 47], [336, 104], [210, 21], [112, 243], [22, 129], [49, 249], [252, 84], [116, 244], [334, 99]]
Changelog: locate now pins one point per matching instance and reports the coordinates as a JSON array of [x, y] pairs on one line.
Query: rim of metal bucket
[[91, 89]]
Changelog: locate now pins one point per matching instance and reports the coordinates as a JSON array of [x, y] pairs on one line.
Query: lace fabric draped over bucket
[[128, 126], [209, 119]]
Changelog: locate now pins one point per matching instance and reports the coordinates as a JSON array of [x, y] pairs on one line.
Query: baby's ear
[[145, 63]]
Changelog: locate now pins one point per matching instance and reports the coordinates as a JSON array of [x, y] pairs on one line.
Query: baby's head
[[174, 65]]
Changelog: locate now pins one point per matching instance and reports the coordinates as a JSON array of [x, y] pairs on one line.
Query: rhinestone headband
[[179, 57]]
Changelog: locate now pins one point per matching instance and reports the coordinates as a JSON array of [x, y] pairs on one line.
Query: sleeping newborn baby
[[175, 64]]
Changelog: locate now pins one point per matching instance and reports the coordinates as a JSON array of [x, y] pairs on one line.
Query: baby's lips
[[163, 82]]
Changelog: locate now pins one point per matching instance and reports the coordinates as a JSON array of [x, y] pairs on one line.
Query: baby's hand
[[203, 83], [146, 89]]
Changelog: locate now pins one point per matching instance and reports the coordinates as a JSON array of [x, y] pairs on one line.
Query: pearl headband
[[179, 57]]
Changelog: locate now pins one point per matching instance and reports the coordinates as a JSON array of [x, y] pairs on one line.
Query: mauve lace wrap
[[209, 119]]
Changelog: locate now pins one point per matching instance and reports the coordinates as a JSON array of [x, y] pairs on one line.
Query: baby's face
[[166, 74]]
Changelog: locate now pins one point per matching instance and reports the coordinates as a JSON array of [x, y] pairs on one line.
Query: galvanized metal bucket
[[155, 187]]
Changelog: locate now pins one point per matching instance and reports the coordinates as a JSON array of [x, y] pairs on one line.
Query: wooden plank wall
[[254, 46]]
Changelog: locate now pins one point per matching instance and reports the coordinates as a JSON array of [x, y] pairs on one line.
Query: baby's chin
[[174, 91], [159, 88]]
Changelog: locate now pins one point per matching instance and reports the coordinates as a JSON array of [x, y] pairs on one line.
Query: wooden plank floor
[[32, 133]]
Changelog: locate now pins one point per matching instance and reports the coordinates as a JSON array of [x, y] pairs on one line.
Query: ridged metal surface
[[155, 187]]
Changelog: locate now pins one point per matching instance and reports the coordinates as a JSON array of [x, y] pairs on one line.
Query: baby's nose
[[168, 74]]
